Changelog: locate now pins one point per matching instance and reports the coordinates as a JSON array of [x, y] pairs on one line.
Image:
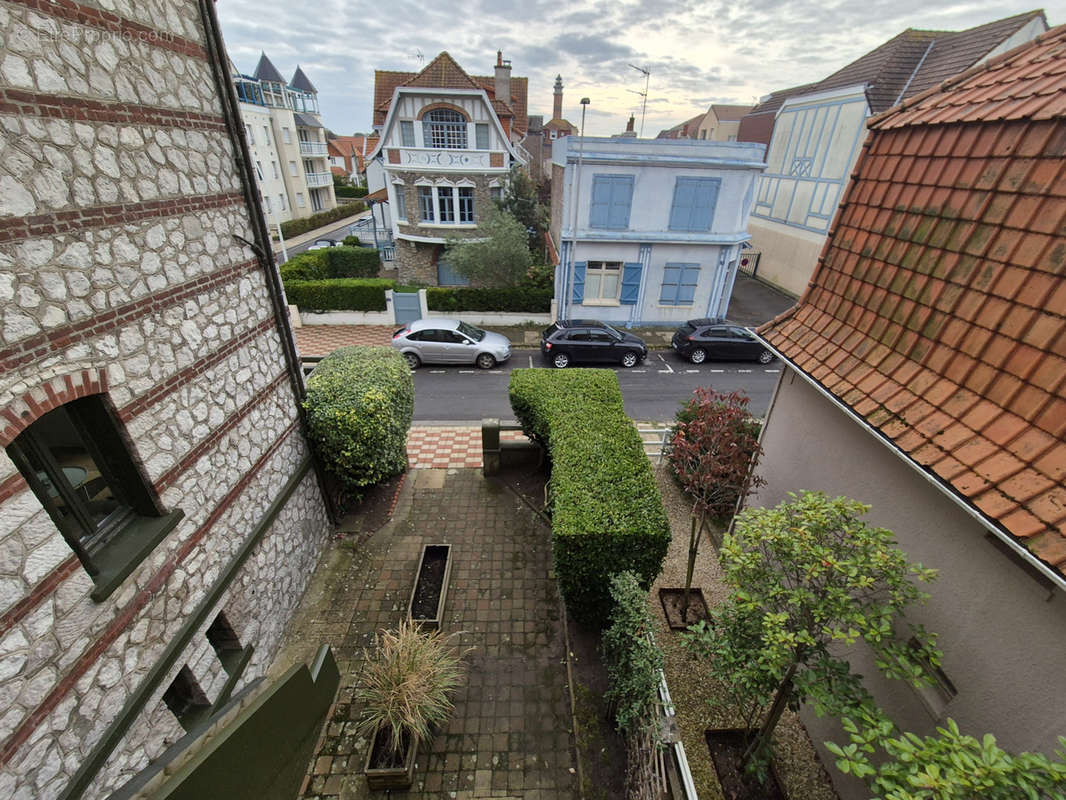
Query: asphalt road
[[652, 391]]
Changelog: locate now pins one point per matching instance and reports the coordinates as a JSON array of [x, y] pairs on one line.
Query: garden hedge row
[[517, 299], [607, 514], [359, 405], [340, 294], [294, 227]]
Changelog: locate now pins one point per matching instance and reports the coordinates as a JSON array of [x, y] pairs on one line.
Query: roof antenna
[[421, 58], [644, 94]]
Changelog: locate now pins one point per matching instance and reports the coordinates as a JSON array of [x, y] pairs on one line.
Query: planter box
[[727, 746], [672, 599], [393, 777], [426, 605]]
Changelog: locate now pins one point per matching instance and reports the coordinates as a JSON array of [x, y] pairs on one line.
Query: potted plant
[[405, 690]]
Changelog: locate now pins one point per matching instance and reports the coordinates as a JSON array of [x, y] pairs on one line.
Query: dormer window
[[445, 129]]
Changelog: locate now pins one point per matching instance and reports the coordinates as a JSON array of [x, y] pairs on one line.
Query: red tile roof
[[938, 309], [729, 113]]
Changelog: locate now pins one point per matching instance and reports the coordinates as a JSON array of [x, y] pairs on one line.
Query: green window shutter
[[631, 283]]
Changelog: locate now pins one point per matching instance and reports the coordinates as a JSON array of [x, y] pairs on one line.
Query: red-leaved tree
[[713, 454]]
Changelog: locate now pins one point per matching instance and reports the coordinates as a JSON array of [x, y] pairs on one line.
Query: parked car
[[320, 243], [449, 341], [568, 341], [717, 339]]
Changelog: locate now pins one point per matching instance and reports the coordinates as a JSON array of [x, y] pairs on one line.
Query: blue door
[[406, 307], [446, 276]]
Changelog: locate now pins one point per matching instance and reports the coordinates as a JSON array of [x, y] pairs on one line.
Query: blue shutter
[[671, 282], [621, 201], [630, 284], [601, 201], [686, 291], [694, 202], [703, 205], [579, 282], [681, 209]]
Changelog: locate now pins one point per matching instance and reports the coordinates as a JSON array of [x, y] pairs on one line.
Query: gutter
[[1052, 575]]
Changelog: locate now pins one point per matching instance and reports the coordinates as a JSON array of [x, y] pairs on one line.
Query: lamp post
[[568, 283]]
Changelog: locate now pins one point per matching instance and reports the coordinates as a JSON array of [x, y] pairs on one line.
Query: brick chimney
[[557, 109], [631, 123], [503, 78]]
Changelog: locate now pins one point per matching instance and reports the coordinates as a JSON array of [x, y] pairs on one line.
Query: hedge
[[607, 514], [340, 294], [359, 405], [518, 299], [294, 227], [632, 659]]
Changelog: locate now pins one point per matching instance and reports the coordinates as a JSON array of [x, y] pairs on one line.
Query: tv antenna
[[421, 58], [644, 105]]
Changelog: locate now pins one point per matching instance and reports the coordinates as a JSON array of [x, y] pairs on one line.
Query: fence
[[656, 442]]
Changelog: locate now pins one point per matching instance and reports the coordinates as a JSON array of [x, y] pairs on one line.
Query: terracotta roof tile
[[938, 309]]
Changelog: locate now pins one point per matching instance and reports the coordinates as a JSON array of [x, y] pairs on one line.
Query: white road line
[[438, 372], [638, 371], [531, 362], [468, 372], [690, 371], [717, 370], [771, 370], [743, 370], [668, 369]]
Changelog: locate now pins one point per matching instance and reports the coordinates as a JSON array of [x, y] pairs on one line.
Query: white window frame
[[286, 134], [281, 200], [300, 199], [292, 169], [600, 270]]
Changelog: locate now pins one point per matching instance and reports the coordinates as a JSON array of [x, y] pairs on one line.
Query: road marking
[[690, 371], [668, 369], [771, 370], [717, 370], [531, 362], [468, 372], [638, 371], [743, 370], [438, 372]]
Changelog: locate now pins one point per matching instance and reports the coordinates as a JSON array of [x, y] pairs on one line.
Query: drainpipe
[[216, 51]]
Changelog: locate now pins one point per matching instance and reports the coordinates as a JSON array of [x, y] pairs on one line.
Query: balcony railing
[[313, 149], [316, 179]]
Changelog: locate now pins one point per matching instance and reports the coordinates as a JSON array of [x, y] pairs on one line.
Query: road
[[652, 391]]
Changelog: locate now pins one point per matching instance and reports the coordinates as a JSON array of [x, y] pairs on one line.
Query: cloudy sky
[[698, 51]]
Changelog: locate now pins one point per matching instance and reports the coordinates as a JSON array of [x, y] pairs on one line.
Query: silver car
[[448, 341]]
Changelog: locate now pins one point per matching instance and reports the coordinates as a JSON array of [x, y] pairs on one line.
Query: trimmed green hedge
[[607, 514], [518, 299], [359, 405], [632, 659], [294, 227], [339, 294], [308, 266], [353, 262]]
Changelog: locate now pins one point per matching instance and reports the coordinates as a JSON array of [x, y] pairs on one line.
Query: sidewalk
[[317, 233]]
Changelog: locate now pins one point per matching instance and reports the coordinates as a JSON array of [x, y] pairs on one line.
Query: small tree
[[521, 199], [499, 257], [714, 451], [948, 766], [805, 577]]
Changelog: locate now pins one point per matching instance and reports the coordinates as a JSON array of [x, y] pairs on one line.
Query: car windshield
[[471, 332], [617, 336]]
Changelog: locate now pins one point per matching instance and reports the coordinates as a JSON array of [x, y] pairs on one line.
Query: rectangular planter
[[435, 564], [399, 777]]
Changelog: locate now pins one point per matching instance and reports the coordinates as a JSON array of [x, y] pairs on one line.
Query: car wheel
[[413, 361], [630, 359], [486, 361], [765, 357], [698, 356], [561, 360]]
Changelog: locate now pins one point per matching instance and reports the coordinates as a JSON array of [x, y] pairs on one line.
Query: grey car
[[449, 341]]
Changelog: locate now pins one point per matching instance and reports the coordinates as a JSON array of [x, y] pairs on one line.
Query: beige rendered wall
[[789, 255], [1002, 634]]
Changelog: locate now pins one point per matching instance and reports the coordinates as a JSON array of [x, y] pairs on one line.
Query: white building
[[660, 226], [287, 141]]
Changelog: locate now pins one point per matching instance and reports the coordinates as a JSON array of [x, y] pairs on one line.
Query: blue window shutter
[[579, 282], [630, 283], [671, 282], [601, 201], [706, 195], [681, 209], [686, 290], [621, 201]]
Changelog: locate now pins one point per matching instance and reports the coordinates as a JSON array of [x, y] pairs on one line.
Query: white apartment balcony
[[445, 159], [313, 149], [316, 179]]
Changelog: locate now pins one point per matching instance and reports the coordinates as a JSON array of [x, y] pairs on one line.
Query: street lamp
[[568, 283]]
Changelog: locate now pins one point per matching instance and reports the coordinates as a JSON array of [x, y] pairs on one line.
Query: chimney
[[557, 109], [629, 125], [503, 78]]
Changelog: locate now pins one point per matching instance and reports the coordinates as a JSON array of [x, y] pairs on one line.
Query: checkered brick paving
[[321, 340], [430, 447]]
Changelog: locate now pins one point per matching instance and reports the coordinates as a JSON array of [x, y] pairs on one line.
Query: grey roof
[[306, 120], [300, 81], [265, 71]]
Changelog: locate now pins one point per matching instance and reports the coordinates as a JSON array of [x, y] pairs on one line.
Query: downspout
[[216, 50]]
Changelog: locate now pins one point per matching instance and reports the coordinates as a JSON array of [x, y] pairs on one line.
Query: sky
[[698, 51]]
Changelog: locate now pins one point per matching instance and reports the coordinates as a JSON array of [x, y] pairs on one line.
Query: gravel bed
[[694, 691]]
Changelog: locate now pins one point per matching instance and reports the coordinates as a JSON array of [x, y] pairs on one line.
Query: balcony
[[313, 149], [445, 159], [316, 179]]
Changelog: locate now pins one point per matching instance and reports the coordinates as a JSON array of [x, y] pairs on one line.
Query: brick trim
[[78, 219], [450, 106], [40, 345], [112, 23], [129, 613], [11, 486], [43, 589], [23, 411], [35, 104]]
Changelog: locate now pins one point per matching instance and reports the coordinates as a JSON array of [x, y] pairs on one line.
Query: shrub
[[359, 405], [632, 659], [308, 266], [607, 515], [351, 241], [294, 227], [516, 299], [353, 262], [342, 294], [346, 191]]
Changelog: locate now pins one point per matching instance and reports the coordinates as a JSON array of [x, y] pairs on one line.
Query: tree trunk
[[693, 548], [762, 739]]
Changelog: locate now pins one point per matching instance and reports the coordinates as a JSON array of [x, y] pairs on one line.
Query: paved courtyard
[[510, 733]]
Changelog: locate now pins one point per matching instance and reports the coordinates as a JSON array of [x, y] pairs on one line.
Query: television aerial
[[644, 105]]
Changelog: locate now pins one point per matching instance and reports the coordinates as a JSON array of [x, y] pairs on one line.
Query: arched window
[[444, 128]]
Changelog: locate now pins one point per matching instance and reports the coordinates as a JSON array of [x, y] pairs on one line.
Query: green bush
[[346, 191], [607, 515], [351, 241], [307, 266], [517, 299], [341, 294], [353, 262], [359, 405], [631, 657], [294, 227]]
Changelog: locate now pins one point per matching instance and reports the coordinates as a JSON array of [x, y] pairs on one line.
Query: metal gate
[[406, 307]]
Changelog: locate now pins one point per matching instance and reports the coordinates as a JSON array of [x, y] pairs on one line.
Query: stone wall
[[121, 274]]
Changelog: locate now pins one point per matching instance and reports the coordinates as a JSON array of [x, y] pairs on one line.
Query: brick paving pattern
[[510, 733], [444, 446], [321, 340]]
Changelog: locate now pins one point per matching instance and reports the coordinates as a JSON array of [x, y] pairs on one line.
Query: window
[[602, 280], [407, 133], [266, 202], [611, 199], [225, 643], [496, 194], [274, 169], [694, 201], [401, 202], [259, 169], [939, 691], [466, 204], [703, 134], [286, 134], [300, 199], [446, 205], [444, 128], [251, 136], [554, 134], [76, 462], [481, 134], [186, 700], [679, 284], [732, 137], [281, 201], [266, 135], [425, 203], [292, 168]]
